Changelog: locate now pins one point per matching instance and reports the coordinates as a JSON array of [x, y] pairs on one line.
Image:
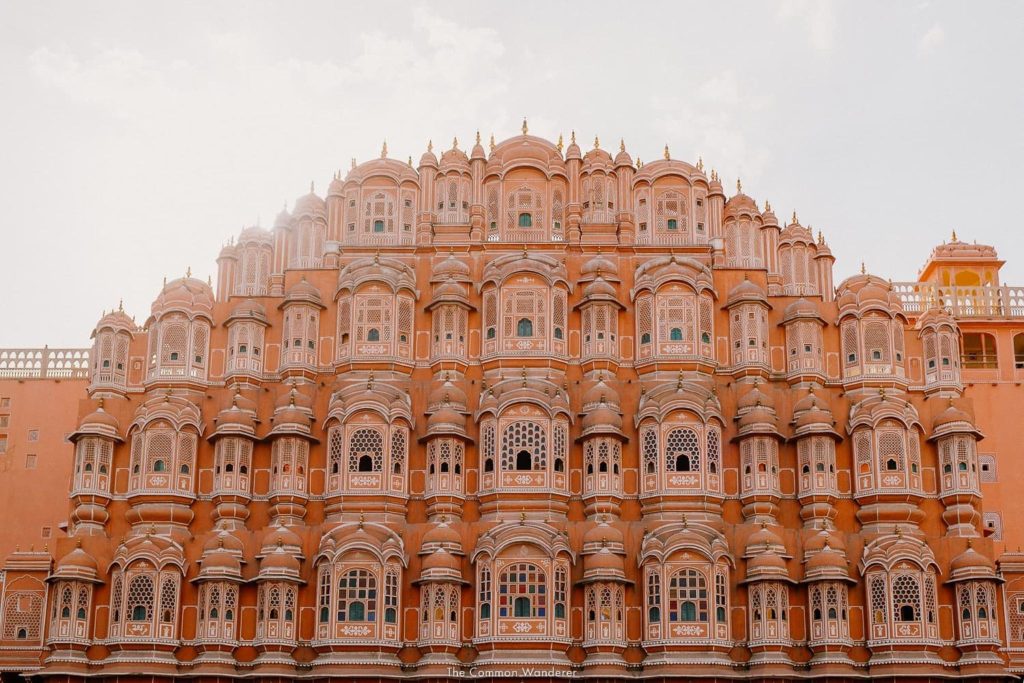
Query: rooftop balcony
[[980, 301], [44, 363]]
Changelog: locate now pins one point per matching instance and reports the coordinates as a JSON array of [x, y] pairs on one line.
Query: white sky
[[137, 137]]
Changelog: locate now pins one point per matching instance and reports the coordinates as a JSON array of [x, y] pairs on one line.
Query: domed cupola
[[221, 559], [454, 159], [188, 295], [78, 565], [599, 266], [303, 292], [309, 205], [623, 158], [449, 393], [478, 150], [293, 415], [98, 423], [572, 152], [429, 159]]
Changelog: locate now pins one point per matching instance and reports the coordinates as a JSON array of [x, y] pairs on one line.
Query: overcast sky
[[137, 137]]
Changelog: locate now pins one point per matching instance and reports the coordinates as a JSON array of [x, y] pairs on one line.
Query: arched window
[[528, 584], [366, 451], [688, 596], [525, 220], [357, 596], [675, 334], [524, 328]]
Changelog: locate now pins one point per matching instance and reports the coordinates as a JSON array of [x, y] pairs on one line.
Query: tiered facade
[[524, 409]]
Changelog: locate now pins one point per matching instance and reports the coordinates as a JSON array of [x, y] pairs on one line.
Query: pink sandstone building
[[532, 412]]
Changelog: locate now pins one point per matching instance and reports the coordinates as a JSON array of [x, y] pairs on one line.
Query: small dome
[[442, 534], [602, 417], [186, 293], [600, 392], [741, 203], [801, 308], [819, 540], [746, 291], [282, 536], [454, 158], [309, 203], [478, 150], [971, 561], [827, 559], [429, 158], [598, 265], [280, 561], [78, 561], [249, 310], [451, 267], [599, 289], [603, 562], [446, 420], [441, 559], [116, 320], [303, 291], [225, 540], [766, 563], [283, 219], [602, 533], [763, 538], [448, 393], [255, 233], [623, 158], [573, 150], [100, 418], [220, 561], [755, 398], [952, 415]]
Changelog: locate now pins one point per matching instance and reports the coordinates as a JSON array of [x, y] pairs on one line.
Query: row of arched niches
[[525, 407]]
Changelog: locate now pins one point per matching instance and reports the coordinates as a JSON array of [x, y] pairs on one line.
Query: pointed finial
[[954, 236], [455, 143], [597, 142], [622, 145], [560, 144], [384, 150], [821, 238], [478, 136], [410, 160], [353, 166], [686, 522], [667, 156], [362, 518], [311, 186], [188, 272], [739, 186], [795, 220], [863, 268], [522, 515], [209, 281], [525, 127], [492, 142], [700, 163]]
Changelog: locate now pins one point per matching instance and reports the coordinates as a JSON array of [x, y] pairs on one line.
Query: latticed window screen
[[357, 596], [524, 436], [366, 451], [676, 318], [522, 591], [682, 451], [22, 615], [688, 598], [379, 213], [373, 318], [906, 598], [671, 214], [876, 342], [399, 447]]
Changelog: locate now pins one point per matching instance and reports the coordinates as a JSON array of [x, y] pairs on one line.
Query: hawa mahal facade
[[532, 409]]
